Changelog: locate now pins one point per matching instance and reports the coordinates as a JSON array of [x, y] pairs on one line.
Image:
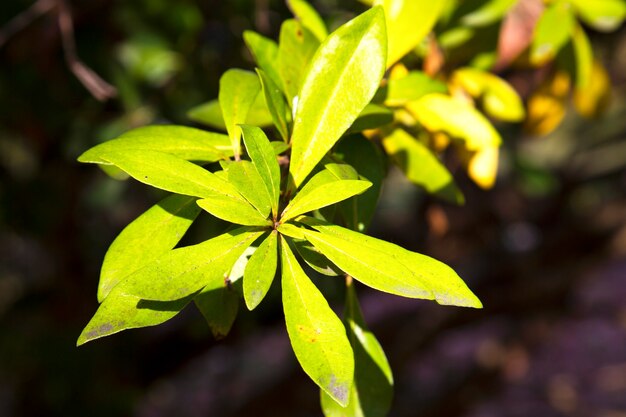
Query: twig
[[99, 88]]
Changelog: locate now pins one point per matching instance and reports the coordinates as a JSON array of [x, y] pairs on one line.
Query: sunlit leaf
[[372, 390], [275, 104], [149, 236], [439, 112], [317, 335], [184, 142], [186, 270], [413, 86], [296, 48], [489, 12], [483, 167], [264, 158], [421, 166], [246, 178], [499, 99], [233, 210], [309, 18], [343, 77], [121, 311], [408, 22], [552, 32], [583, 55], [602, 15], [388, 267], [265, 53], [260, 271], [320, 192], [238, 91]]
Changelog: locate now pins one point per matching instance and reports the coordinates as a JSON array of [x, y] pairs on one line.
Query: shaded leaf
[[372, 117], [421, 166], [546, 106], [315, 259], [149, 236], [210, 114], [343, 77], [593, 100], [260, 271], [317, 335], [219, 306], [238, 91], [413, 86], [489, 12], [186, 270], [583, 55]]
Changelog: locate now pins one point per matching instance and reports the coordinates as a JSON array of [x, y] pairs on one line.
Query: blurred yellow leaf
[[603, 15], [546, 106], [483, 167], [583, 55], [439, 112], [594, 99], [408, 21], [499, 99]]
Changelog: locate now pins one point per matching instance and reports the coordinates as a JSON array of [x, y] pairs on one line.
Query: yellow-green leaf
[[276, 104], [343, 77], [234, 211], [553, 30], [603, 15], [260, 271], [210, 114], [245, 177], [317, 335], [309, 17], [238, 91], [265, 53]]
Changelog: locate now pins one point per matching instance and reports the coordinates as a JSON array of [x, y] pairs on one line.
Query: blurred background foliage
[[545, 248]]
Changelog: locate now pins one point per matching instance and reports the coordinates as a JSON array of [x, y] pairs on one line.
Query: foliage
[[332, 101]]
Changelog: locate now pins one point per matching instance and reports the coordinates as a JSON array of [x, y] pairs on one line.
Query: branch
[[23, 19]]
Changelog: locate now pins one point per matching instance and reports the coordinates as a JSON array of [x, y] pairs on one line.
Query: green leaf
[[552, 32], [296, 47], [317, 335], [234, 211], [265, 53], [264, 158], [260, 271], [149, 236], [210, 114], [122, 311], [438, 112], [489, 12], [342, 78], [372, 390], [421, 166], [279, 147], [408, 22], [186, 270], [238, 91], [309, 18], [369, 161], [276, 104], [414, 86], [322, 190], [388, 267], [219, 306], [245, 177], [169, 173], [184, 142], [602, 15], [371, 117]]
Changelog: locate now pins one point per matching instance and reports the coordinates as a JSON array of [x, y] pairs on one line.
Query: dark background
[[545, 250]]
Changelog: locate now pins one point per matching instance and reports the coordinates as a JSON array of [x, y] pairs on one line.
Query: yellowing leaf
[[408, 22], [483, 167], [594, 99], [439, 112], [546, 106], [343, 77]]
